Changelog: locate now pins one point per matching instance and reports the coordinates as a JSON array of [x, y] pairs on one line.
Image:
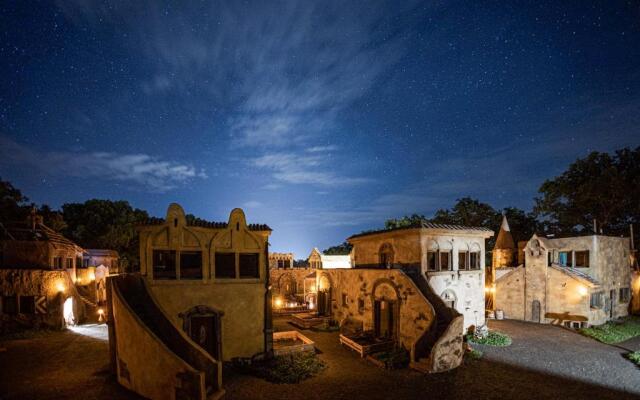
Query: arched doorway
[[324, 296], [386, 310], [67, 312], [204, 326]]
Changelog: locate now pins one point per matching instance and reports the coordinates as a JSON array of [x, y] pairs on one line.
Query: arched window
[[386, 255]]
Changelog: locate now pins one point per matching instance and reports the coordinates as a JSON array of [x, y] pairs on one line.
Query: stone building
[[450, 257], [574, 281], [319, 260], [37, 277], [280, 260], [504, 252], [202, 297]]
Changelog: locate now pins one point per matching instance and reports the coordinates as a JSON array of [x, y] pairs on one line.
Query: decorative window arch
[[386, 255], [450, 298], [475, 256]]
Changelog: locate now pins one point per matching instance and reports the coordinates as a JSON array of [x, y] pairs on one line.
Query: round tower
[[505, 249]]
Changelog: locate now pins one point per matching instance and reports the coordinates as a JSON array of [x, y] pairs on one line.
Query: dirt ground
[[544, 362]]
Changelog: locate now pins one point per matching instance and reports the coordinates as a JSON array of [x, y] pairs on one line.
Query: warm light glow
[[311, 305], [92, 276], [100, 311], [489, 289], [60, 287], [582, 290], [278, 302]]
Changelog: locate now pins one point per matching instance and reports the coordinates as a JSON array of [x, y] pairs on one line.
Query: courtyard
[[543, 362]]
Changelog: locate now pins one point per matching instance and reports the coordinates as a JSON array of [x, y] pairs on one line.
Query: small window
[[164, 264], [69, 263], [250, 265], [10, 305], [85, 263], [345, 300], [565, 258], [27, 305], [462, 260], [225, 265], [361, 306], [582, 259], [432, 260], [57, 262], [190, 265], [474, 260], [596, 300], [281, 264], [625, 295], [549, 258], [445, 261]]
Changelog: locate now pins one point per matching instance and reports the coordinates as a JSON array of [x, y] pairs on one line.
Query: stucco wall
[[416, 313], [279, 278], [144, 364], [242, 305], [406, 246], [467, 287], [509, 294], [242, 300]]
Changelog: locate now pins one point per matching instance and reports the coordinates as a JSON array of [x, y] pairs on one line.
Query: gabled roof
[[23, 231], [426, 225]]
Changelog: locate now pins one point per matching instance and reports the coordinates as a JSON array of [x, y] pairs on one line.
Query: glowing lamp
[[278, 302], [582, 291], [60, 287], [100, 311]]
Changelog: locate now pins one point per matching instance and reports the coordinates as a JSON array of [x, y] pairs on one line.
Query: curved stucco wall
[[144, 364]]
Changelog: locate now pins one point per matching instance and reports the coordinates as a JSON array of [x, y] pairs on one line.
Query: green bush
[[289, 368], [614, 331], [635, 357], [494, 338], [474, 354]]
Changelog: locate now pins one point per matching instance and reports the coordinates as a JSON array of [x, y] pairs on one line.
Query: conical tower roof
[[504, 239]]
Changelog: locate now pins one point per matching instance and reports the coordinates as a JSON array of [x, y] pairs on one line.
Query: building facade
[[450, 257], [574, 281], [280, 260], [220, 268]]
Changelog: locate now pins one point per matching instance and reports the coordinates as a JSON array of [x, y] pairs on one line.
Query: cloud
[[295, 169], [286, 70], [151, 172], [252, 204]]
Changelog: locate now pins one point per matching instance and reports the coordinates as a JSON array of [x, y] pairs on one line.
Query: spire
[[504, 239]]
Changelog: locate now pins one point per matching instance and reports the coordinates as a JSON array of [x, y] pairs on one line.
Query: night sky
[[320, 119]]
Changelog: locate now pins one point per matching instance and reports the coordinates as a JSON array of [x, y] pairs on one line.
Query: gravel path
[[543, 363]]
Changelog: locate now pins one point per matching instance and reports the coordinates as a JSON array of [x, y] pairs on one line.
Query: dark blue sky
[[321, 119]]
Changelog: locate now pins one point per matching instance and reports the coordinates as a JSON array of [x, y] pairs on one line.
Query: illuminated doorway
[[67, 312]]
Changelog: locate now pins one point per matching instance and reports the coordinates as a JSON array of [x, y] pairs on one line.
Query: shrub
[[291, 368], [614, 331], [474, 354], [493, 338], [635, 357]]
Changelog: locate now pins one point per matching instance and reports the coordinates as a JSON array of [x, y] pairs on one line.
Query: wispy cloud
[[306, 169], [150, 172], [287, 70]]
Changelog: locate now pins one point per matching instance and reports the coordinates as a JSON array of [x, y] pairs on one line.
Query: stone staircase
[[440, 348], [138, 298]]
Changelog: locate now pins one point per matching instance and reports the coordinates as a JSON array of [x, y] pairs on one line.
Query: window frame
[[257, 266], [216, 264], [175, 256], [449, 266], [466, 257], [575, 258], [200, 254], [477, 265]]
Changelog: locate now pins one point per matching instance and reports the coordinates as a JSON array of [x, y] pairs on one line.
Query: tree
[[105, 224], [602, 187], [468, 212], [404, 222], [340, 250], [13, 204]]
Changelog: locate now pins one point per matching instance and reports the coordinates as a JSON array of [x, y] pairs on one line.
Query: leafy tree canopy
[[105, 224], [342, 249], [601, 186]]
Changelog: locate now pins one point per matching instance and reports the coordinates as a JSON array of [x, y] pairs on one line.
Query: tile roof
[[22, 231], [205, 224], [425, 225]]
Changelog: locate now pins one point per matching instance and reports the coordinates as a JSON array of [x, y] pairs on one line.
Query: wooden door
[[205, 331], [535, 311]]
